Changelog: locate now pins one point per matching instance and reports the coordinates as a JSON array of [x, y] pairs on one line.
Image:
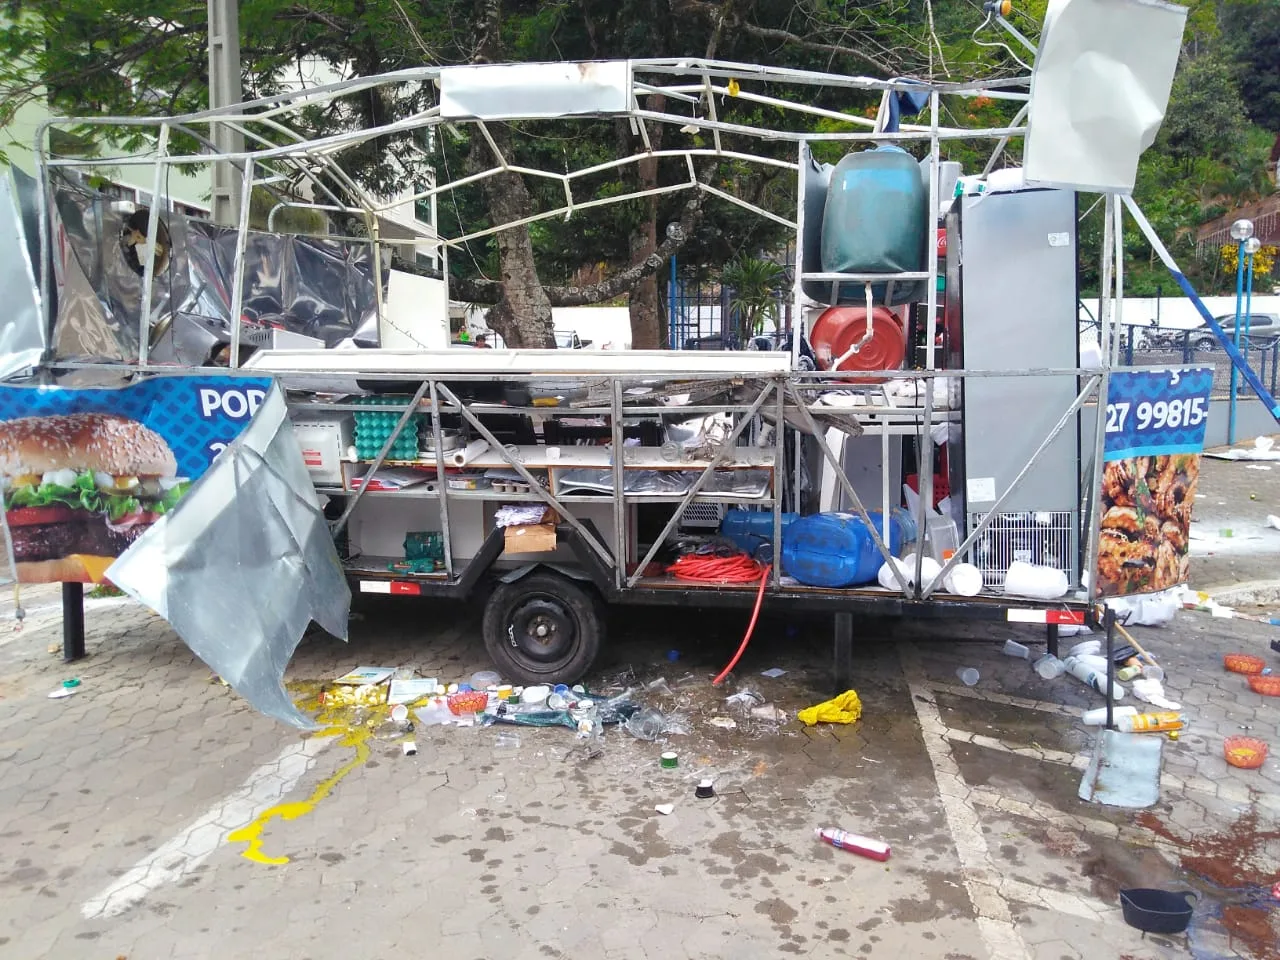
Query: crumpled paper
[[845, 708]]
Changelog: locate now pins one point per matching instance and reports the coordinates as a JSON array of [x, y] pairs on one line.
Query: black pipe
[[72, 622]]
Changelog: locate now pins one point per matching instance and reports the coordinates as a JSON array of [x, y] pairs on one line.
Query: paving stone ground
[[116, 805]]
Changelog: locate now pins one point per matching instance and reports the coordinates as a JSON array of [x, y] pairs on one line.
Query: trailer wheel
[[544, 628]]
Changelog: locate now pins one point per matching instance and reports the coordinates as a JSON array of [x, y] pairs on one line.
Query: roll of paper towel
[[929, 569], [1034, 581], [460, 458]]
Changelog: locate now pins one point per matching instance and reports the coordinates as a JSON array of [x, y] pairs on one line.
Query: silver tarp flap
[[244, 564], [549, 90], [308, 285], [22, 339], [1099, 90]]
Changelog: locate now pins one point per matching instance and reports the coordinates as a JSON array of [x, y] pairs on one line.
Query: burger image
[[79, 489]]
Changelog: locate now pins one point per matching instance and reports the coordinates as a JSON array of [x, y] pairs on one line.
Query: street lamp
[[1242, 234]]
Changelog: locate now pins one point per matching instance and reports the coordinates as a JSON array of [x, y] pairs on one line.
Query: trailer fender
[[519, 573]]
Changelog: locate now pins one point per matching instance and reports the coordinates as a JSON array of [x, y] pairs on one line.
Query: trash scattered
[[1097, 716], [361, 676], [507, 740], [705, 790], [1247, 753], [1257, 466], [410, 689], [1049, 667], [1147, 610], [484, 679], [1273, 521], [843, 840], [666, 809], [1161, 722], [467, 702], [1088, 648], [660, 687], [744, 699], [769, 713], [535, 695], [1261, 450], [773, 673], [724, 723], [400, 714], [1156, 911], [669, 760], [1124, 770], [968, 675], [1032, 580], [1079, 668], [1244, 663], [845, 708], [67, 689], [1012, 648], [645, 724], [410, 748]]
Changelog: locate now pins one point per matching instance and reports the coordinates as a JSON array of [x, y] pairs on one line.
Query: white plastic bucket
[[1036, 582]]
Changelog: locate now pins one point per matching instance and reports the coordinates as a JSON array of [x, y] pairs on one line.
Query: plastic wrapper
[[845, 708], [244, 564]]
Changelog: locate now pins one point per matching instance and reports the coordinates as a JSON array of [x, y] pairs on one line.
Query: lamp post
[[225, 90], [1241, 233]]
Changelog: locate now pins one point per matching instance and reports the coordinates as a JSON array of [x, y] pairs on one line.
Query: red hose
[[755, 614], [708, 568]]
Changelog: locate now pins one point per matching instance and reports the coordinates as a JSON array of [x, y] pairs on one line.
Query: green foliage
[[1206, 117], [755, 287]]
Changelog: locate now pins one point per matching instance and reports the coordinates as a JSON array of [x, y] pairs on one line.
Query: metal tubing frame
[[546, 495], [707, 471], [149, 267], [437, 433], [387, 444]]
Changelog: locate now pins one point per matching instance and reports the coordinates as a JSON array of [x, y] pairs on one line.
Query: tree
[[754, 298], [1251, 37], [1206, 116], [122, 57]]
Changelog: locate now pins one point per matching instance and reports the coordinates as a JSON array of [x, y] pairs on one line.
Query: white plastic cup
[[400, 713], [1152, 671], [964, 579], [1086, 649], [1012, 648], [968, 676], [1049, 667]]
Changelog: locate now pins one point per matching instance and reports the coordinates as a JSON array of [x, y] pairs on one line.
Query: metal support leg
[[72, 622], [843, 651], [1052, 639]]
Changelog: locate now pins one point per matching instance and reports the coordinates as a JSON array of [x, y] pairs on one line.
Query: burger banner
[[1155, 430], [85, 472]]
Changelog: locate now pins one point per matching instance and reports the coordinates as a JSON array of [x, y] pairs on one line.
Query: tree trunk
[[522, 315], [646, 311]]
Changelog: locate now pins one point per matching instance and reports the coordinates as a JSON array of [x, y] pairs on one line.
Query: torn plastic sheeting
[[245, 564], [22, 339], [1103, 72]]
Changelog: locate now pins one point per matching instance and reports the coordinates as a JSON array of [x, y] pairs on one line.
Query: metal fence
[[1156, 345]]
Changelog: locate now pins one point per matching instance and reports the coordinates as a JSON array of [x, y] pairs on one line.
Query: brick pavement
[[482, 847]]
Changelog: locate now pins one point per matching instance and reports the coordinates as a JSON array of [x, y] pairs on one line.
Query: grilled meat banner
[[85, 472], [1155, 430]]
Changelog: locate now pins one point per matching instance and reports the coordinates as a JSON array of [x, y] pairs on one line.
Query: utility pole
[[225, 90]]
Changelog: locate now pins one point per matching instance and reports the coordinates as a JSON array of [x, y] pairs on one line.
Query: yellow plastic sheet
[[845, 708]]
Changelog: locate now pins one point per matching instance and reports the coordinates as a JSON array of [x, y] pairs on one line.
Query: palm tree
[[754, 284]]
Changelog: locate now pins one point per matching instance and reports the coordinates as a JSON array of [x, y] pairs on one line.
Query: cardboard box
[[530, 538]]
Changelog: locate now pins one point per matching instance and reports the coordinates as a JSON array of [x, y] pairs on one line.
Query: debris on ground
[[845, 708], [843, 840]]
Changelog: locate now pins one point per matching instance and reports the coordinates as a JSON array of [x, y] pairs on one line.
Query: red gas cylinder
[[836, 331]]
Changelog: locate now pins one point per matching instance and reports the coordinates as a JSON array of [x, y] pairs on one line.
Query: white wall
[[1178, 312]]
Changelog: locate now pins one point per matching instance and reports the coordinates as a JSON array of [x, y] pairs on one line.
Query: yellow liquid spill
[[337, 722]]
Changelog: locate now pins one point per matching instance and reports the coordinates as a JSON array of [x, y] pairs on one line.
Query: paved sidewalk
[[117, 804]]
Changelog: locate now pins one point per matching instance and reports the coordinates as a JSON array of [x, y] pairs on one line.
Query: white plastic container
[[1098, 715], [1012, 648], [1049, 667], [1034, 581], [964, 579], [1087, 675]]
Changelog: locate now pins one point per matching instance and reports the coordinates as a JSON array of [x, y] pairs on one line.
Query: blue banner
[[85, 472], [1157, 412]]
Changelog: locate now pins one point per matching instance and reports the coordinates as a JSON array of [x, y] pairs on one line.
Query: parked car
[[569, 340], [1262, 329]]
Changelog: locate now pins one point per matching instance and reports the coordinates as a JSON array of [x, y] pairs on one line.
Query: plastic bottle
[[1159, 722], [1087, 675], [842, 840], [1098, 715]]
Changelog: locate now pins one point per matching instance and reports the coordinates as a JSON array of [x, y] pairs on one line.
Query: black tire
[[544, 628], [1205, 344]]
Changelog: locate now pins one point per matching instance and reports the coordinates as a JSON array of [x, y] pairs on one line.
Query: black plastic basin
[[1157, 911]]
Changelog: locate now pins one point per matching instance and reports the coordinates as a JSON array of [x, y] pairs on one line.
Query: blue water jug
[[752, 530], [875, 221], [836, 549]]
